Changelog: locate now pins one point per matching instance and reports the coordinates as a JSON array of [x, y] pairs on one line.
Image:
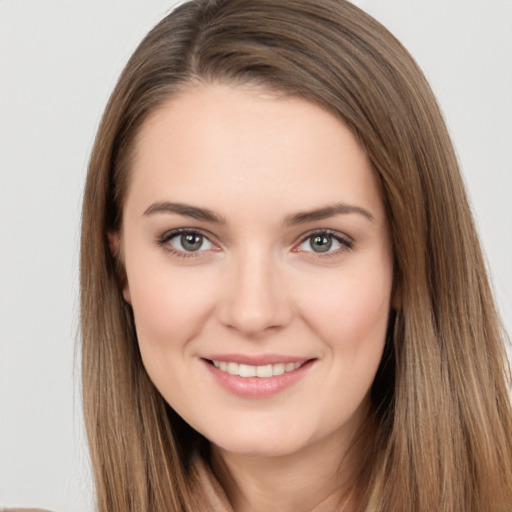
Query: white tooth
[[264, 371], [246, 370], [278, 369], [233, 368]]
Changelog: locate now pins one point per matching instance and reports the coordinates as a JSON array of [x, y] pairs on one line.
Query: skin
[[256, 285]]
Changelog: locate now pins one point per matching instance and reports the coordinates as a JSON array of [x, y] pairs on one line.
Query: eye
[[324, 242], [186, 241], [190, 242]]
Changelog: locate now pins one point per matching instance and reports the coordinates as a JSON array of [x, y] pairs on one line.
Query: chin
[[262, 445]]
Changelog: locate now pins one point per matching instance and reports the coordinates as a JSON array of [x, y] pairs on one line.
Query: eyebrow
[[326, 212], [185, 210], [295, 219]]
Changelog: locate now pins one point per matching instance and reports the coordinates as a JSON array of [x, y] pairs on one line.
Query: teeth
[[278, 369], [247, 370], [233, 368], [264, 371]]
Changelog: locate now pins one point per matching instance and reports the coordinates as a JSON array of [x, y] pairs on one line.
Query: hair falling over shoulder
[[443, 435]]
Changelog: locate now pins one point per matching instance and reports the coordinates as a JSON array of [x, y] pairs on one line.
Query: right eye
[[185, 242], [190, 242]]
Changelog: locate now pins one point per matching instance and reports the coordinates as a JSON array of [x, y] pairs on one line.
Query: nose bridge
[[255, 298]]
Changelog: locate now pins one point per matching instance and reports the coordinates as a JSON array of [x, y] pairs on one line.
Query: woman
[[284, 302]]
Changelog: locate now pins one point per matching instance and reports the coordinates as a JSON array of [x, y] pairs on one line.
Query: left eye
[[323, 243], [190, 242]]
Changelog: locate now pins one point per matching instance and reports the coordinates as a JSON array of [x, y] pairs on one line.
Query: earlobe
[[126, 292], [114, 245]]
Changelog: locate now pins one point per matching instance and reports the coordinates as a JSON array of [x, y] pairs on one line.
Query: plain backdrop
[[59, 60]]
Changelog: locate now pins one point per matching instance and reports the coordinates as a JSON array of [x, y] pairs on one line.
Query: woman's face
[[258, 267]]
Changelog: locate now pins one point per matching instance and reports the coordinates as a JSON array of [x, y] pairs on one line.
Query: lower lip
[[257, 387]]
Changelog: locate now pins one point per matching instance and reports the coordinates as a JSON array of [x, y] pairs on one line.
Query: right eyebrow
[[186, 210]]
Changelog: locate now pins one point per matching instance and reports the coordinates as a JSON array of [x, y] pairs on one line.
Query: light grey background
[[58, 63]]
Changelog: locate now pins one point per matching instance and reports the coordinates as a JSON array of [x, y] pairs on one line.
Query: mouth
[[269, 376], [263, 371]]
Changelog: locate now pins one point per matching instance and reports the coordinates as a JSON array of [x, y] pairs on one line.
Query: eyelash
[[345, 242], [164, 240]]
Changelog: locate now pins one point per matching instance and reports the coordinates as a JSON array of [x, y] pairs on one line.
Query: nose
[[255, 299]]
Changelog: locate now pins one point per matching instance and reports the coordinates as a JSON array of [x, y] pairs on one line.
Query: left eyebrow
[[326, 212]]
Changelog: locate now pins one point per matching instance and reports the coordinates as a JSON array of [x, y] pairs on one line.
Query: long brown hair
[[443, 439]]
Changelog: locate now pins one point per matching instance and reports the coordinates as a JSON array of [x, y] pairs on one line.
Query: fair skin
[[282, 268]]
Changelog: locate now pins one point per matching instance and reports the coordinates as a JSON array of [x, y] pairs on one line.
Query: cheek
[[350, 317], [350, 312], [169, 307]]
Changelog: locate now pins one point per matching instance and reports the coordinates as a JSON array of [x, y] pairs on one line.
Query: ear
[[114, 244]]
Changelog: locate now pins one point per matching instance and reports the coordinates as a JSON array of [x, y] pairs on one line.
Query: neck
[[297, 482]]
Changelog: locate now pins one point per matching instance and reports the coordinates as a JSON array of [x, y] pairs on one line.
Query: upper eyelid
[[330, 232], [168, 235]]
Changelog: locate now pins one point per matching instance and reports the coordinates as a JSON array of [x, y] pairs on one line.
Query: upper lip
[[257, 360]]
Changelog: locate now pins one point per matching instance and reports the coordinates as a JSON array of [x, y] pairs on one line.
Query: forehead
[[224, 145]]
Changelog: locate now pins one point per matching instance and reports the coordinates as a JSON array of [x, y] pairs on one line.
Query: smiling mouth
[[264, 371]]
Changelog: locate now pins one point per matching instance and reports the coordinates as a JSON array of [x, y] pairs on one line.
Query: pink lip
[[257, 387]]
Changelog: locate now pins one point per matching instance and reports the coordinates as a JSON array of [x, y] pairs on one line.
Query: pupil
[[191, 241], [321, 243]]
